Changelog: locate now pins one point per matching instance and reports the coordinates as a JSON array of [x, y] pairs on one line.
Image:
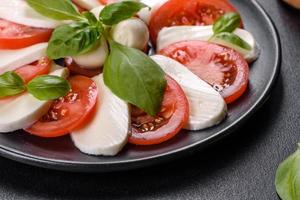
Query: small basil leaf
[[227, 23], [56, 9], [90, 17], [231, 40], [11, 84], [288, 177], [72, 40], [135, 78], [48, 87], [117, 12]]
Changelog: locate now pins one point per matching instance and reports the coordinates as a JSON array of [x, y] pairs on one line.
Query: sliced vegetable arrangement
[[109, 91]]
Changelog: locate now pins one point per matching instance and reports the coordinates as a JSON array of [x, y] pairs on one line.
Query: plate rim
[[110, 166]]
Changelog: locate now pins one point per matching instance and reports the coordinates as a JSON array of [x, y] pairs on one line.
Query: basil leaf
[[90, 17], [48, 87], [72, 40], [11, 84], [231, 40], [56, 9], [227, 23], [288, 177], [135, 78], [117, 12]]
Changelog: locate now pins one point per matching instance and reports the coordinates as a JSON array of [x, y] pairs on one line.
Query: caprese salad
[[129, 71]]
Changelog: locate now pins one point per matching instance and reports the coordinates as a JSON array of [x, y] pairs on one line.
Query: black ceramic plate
[[61, 154]]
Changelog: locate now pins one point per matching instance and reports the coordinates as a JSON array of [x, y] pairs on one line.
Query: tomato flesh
[[17, 36], [70, 112], [223, 68], [187, 12], [76, 69], [29, 72], [149, 130], [104, 2]]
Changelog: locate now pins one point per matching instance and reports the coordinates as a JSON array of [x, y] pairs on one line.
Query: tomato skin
[[222, 67], [29, 72], [68, 113], [17, 36], [187, 12], [75, 69], [175, 108]]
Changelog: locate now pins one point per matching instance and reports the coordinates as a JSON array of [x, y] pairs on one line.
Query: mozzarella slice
[[18, 11], [171, 35], [145, 13], [94, 59], [22, 111], [13, 59], [207, 107], [132, 33], [87, 4], [107, 133], [96, 11]]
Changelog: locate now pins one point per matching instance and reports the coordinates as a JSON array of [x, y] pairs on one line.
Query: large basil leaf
[[56, 9], [227, 23], [48, 87], [73, 40], [117, 12], [288, 177], [11, 84], [134, 77], [231, 40]]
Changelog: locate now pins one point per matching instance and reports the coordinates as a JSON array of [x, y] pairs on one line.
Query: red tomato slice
[[75, 69], [70, 112], [223, 68], [80, 9], [17, 36], [29, 72], [187, 12], [104, 2], [148, 130]]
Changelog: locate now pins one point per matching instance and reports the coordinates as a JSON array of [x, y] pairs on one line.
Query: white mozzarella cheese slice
[[145, 13], [22, 111], [106, 134], [13, 59], [94, 59], [18, 11], [88, 4], [171, 35], [132, 33], [207, 107]]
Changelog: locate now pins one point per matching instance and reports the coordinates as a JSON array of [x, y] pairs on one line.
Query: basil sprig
[[11, 84], [223, 32], [117, 12], [135, 78], [288, 177], [56, 9], [129, 73], [43, 87]]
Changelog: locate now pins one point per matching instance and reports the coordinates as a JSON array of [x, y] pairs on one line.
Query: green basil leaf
[[90, 17], [11, 84], [48, 87], [231, 40], [227, 23], [288, 177], [72, 40], [135, 78], [56, 9], [117, 12]]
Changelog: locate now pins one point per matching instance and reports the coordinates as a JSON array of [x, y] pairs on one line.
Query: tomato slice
[[76, 69], [223, 68], [80, 9], [187, 12], [29, 72], [17, 36], [104, 2], [70, 112], [149, 130]]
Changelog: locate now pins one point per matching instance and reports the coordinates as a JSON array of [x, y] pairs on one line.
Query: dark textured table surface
[[241, 167]]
